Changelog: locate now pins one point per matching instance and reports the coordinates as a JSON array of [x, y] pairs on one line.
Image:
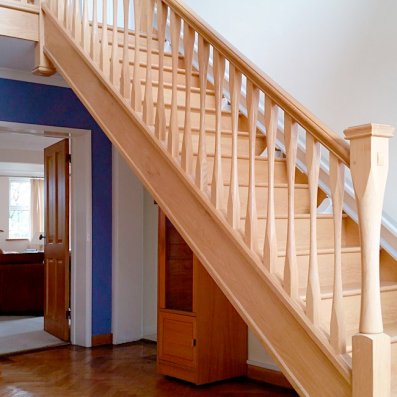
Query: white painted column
[[127, 261]]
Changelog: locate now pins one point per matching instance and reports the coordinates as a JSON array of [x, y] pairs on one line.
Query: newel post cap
[[369, 130]]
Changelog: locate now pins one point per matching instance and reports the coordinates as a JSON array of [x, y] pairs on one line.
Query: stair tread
[[197, 109], [180, 87], [350, 289], [264, 184], [130, 32], [246, 157], [299, 216], [131, 46], [156, 67], [323, 251], [391, 330], [196, 130]]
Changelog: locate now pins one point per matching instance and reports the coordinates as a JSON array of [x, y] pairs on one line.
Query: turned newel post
[[369, 159], [42, 65]]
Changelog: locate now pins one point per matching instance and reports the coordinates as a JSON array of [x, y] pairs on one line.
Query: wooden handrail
[[332, 141]]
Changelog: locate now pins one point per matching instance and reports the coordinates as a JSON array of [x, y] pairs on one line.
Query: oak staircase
[[220, 154]]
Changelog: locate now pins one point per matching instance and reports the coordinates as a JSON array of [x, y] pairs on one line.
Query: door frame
[[81, 223]]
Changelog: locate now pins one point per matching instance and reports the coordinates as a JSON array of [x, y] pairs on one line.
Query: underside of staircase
[[257, 291]]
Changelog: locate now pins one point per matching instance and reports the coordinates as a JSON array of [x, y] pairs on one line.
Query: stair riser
[[325, 230], [261, 170], [226, 148], [210, 119], [351, 268], [181, 97], [155, 57], [131, 38], [167, 75], [281, 203], [351, 307]]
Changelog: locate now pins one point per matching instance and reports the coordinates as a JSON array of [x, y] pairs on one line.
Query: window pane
[[20, 194], [19, 208], [19, 222]]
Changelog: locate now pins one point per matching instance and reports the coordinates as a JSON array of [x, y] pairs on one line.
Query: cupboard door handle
[[194, 343]]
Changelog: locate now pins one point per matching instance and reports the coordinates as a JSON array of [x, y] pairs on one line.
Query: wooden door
[[56, 248]]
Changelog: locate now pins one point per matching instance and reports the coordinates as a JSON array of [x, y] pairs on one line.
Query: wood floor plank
[[126, 370]]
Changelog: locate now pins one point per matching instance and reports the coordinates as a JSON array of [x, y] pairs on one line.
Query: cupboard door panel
[[177, 334]]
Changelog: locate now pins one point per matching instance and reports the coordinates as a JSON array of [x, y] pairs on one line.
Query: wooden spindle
[[251, 219], [66, 13], [125, 74], [160, 124], [60, 10], [173, 133], [104, 54], [313, 297], [291, 279], [136, 94], [94, 32], [148, 107], [270, 246], [201, 164], [85, 32], [217, 186], [233, 204], [76, 21], [187, 148], [115, 44], [337, 185]]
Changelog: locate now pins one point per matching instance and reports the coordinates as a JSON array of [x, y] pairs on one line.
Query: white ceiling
[[17, 141], [18, 62], [20, 53], [22, 144]]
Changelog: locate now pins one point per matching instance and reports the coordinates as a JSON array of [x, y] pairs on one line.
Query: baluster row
[[119, 73]]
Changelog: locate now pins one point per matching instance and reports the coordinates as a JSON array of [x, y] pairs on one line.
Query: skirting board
[[102, 339], [267, 375]]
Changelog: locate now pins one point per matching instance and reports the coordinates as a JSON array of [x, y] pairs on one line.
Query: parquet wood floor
[[111, 371]]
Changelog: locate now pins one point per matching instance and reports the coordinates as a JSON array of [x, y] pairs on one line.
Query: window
[[19, 208]]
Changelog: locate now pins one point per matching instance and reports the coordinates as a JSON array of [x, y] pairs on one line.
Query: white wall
[[127, 274], [21, 156], [134, 257], [150, 248], [339, 58]]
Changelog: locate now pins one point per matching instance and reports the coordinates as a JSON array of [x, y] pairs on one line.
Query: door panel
[[177, 335], [56, 249]]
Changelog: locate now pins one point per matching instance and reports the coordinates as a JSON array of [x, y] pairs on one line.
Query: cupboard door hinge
[[194, 342], [68, 314], [69, 158]]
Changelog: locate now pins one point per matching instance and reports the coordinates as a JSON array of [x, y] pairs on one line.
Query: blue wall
[[46, 105]]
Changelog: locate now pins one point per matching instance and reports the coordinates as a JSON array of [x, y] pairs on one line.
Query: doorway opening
[[24, 331]]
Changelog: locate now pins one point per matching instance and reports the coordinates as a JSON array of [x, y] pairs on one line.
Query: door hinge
[[194, 342], [68, 314], [69, 158]]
